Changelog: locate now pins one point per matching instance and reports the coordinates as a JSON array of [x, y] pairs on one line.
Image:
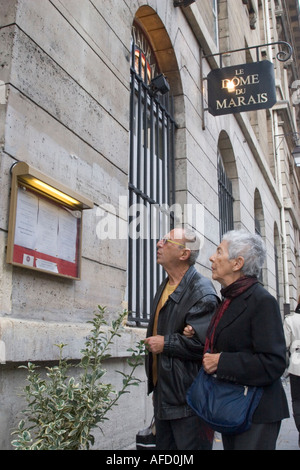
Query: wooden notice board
[[45, 225]]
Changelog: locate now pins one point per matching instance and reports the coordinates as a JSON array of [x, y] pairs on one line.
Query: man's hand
[[155, 344], [189, 331], [210, 362]]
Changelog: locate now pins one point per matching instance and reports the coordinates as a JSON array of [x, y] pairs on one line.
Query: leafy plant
[[63, 411]]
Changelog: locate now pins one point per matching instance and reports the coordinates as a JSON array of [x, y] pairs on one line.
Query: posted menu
[[46, 234]]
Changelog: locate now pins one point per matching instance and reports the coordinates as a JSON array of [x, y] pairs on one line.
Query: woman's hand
[[189, 331], [210, 362]]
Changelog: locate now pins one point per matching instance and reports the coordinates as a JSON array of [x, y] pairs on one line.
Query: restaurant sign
[[241, 88]]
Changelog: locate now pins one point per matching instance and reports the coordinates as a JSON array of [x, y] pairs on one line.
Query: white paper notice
[[67, 236], [26, 219], [47, 229], [28, 260], [46, 265]]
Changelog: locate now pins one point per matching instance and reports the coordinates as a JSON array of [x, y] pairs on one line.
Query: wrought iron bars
[[151, 186]]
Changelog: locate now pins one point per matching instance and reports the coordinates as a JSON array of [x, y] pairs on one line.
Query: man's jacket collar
[[181, 288]]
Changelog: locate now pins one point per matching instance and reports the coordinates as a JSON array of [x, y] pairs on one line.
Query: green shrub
[[63, 411]]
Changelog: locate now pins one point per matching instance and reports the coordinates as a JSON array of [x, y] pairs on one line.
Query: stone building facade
[[78, 104]]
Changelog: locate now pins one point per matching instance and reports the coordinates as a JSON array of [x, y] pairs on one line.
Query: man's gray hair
[[248, 245], [192, 241]]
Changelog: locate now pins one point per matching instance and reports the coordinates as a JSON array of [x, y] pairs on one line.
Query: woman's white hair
[[248, 245]]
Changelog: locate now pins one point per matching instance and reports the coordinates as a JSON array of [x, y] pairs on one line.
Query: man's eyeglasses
[[165, 240]]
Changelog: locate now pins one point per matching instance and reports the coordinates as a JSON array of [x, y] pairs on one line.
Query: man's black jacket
[[192, 303]]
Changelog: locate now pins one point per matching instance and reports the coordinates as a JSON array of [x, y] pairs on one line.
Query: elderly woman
[[246, 339]]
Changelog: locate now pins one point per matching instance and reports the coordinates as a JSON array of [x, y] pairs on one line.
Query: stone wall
[[64, 109]]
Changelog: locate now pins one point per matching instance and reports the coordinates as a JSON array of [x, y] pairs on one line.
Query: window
[[151, 183], [259, 223], [225, 199], [276, 259], [252, 13]]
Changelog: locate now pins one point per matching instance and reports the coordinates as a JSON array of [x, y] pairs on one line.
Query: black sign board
[[241, 88]]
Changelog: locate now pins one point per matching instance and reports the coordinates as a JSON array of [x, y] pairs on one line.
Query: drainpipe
[[283, 226]]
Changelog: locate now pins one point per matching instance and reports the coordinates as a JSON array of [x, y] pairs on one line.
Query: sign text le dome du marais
[[241, 88]]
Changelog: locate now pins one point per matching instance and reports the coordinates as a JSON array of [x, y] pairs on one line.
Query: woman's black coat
[[251, 339]]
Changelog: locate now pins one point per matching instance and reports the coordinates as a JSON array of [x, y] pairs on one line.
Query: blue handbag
[[226, 407]]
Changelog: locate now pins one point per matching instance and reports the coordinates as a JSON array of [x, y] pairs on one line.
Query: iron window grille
[[226, 199], [151, 184]]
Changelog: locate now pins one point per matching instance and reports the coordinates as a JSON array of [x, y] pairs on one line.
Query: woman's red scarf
[[228, 293]]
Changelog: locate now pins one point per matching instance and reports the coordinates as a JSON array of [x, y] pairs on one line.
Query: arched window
[[151, 176], [259, 221], [225, 199], [277, 261]]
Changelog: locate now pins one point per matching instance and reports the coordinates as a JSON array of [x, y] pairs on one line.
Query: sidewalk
[[288, 437]]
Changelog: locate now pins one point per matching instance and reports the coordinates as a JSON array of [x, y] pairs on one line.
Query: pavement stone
[[288, 436]]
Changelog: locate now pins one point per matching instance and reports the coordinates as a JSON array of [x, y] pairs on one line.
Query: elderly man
[[184, 298]]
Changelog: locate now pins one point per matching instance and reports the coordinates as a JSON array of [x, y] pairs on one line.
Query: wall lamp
[[296, 152], [160, 84], [183, 3], [24, 174], [296, 155]]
